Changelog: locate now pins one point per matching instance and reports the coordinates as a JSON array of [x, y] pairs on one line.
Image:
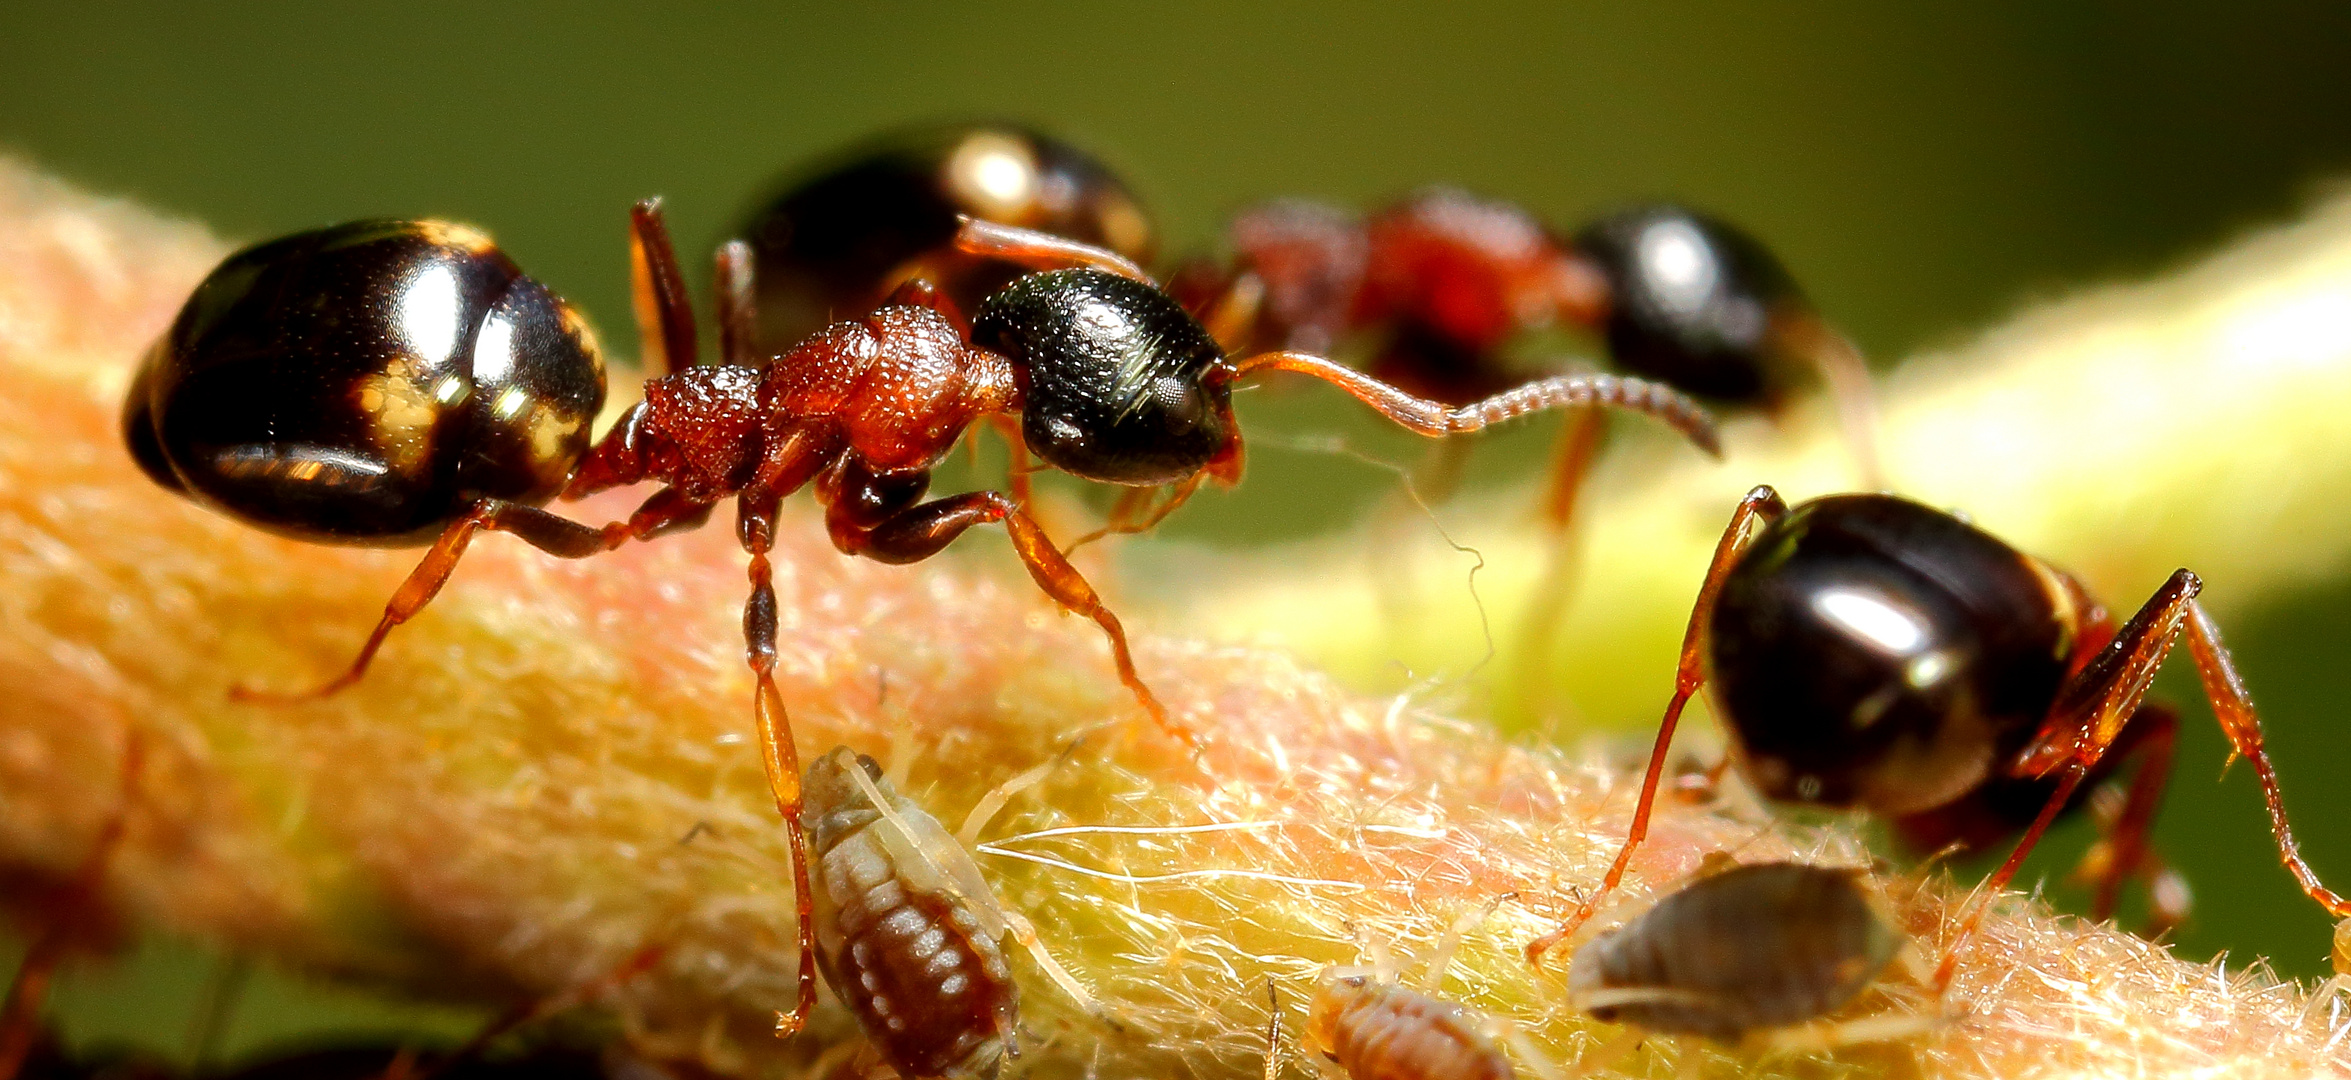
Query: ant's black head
[[1692, 301], [1114, 376]]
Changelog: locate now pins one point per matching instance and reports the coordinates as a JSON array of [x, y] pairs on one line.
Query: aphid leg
[[1039, 250], [2094, 705], [1449, 942], [920, 531], [1436, 420], [1536, 1061], [755, 527], [1129, 517], [1847, 376], [1608, 1053], [1758, 510], [733, 291], [2121, 852], [1273, 1030], [1025, 933], [665, 511], [1824, 1035], [665, 316], [69, 914]]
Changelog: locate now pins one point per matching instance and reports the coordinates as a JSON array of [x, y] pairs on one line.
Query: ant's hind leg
[[1757, 511], [666, 511]]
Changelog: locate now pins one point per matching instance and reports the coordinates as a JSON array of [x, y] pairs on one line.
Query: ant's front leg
[[668, 510], [875, 516], [1756, 512]]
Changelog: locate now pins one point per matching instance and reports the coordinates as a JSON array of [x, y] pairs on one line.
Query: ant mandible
[[1446, 280], [379, 382], [1868, 651]]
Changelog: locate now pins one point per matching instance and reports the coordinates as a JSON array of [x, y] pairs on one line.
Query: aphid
[[1444, 281], [1868, 651], [1742, 952], [377, 383], [838, 237], [1374, 1026], [909, 934]]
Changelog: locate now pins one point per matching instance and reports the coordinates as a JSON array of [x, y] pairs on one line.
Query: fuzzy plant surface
[[553, 768]]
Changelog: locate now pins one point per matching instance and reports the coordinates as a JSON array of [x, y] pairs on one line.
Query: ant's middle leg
[[1758, 510], [665, 316], [666, 511], [917, 532]]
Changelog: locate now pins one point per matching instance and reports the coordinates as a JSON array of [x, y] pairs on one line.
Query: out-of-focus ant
[[839, 235], [1443, 282], [1872, 652], [383, 382]]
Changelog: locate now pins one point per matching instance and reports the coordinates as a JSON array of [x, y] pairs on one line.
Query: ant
[[1445, 280], [1869, 651], [1741, 952], [840, 235], [383, 382]]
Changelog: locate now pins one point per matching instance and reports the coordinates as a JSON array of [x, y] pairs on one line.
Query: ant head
[[1118, 383]]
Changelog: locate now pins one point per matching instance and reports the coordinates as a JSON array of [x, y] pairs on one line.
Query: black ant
[[381, 382], [1443, 281], [1869, 651], [839, 235]]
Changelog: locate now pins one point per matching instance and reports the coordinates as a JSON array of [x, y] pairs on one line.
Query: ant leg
[[666, 511], [1127, 516], [20, 1013], [2094, 705], [1040, 250], [919, 292], [1232, 316], [920, 531], [1436, 420], [1571, 464], [665, 317], [1759, 509], [732, 291], [1847, 376], [1016, 465], [637, 964], [755, 525], [2121, 852]]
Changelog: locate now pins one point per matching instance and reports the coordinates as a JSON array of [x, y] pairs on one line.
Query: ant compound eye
[[1113, 376]]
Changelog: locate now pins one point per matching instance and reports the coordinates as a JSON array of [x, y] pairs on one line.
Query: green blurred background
[[1924, 169]]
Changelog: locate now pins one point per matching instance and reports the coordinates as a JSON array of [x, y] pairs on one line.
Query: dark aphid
[[838, 237], [1872, 652], [367, 384], [1755, 947], [908, 933]]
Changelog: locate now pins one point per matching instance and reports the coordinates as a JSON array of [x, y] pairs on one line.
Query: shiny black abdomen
[[1113, 376], [833, 241], [1692, 301], [365, 383], [1872, 651]]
